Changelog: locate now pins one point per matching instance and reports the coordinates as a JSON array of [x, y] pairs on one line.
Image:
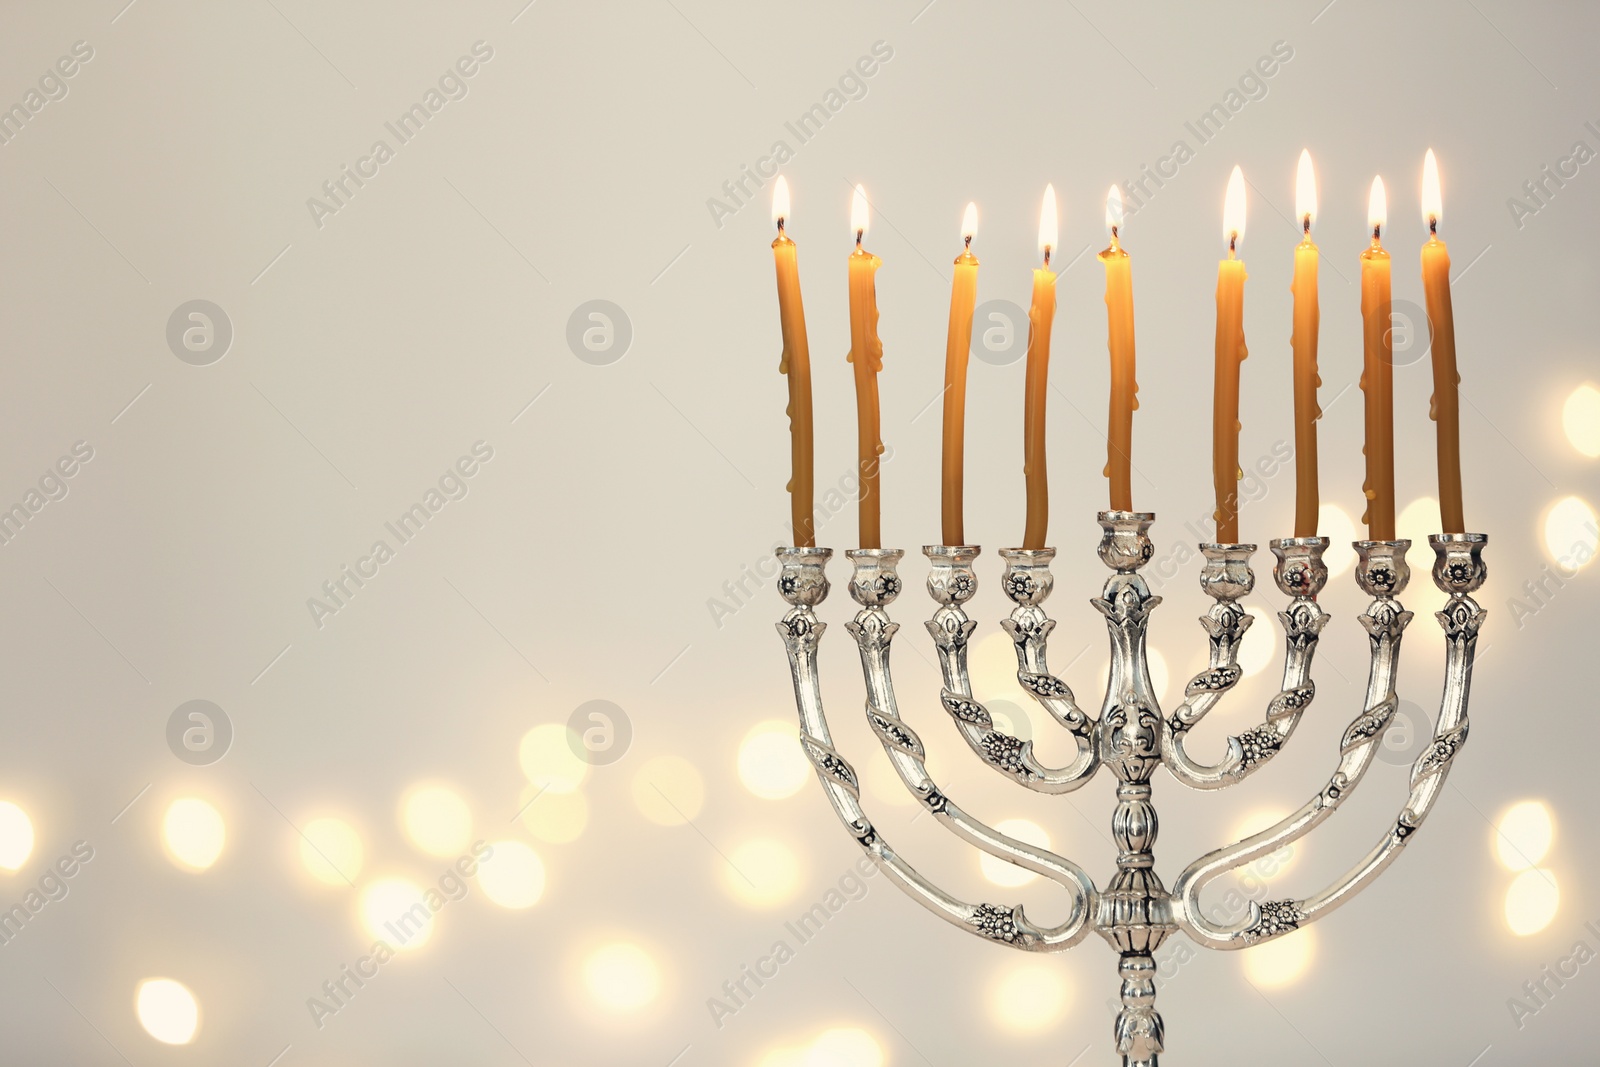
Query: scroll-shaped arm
[[873, 586], [803, 584], [1382, 572], [1027, 581], [1300, 574]]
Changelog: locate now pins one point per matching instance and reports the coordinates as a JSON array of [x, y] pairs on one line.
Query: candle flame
[[969, 224], [859, 214], [1377, 208], [1114, 210], [1047, 223], [1305, 191], [1432, 202], [1233, 210], [780, 201]]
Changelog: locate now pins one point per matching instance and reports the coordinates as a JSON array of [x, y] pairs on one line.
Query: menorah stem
[[1135, 909], [1137, 915]]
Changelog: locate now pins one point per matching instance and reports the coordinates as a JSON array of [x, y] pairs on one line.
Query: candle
[[1041, 316], [963, 297], [794, 364], [1119, 340], [1304, 342], [1231, 352], [1377, 375], [1445, 407], [866, 357]]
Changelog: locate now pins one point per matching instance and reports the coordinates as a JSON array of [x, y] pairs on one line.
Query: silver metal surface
[[1130, 737]]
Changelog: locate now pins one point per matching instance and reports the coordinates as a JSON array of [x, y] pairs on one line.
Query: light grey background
[[369, 352]]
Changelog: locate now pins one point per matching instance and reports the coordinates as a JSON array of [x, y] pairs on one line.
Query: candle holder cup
[[1130, 736]]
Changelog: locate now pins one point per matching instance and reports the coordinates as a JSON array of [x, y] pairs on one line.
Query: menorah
[[1131, 736]]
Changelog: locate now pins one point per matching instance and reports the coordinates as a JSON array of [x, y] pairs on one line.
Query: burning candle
[[1231, 352], [1041, 317], [1445, 407], [963, 297], [1377, 374], [1304, 341], [1119, 340], [866, 357], [795, 365]]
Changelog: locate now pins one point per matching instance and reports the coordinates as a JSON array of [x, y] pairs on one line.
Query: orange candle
[[963, 298], [795, 365], [1377, 375], [1230, 353], [1445, 407], [866, 357], [1041, 317], [1307, 318], [1119, 340]]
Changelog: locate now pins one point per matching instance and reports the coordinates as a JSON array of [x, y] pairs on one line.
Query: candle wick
[[860, 234], [1047, 256], [1113, 234], [1375, 234], [1233, 242], [1433, 225], [967, 241], [1305, 224]]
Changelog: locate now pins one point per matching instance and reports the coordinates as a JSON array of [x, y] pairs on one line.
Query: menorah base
[[1135, 913]]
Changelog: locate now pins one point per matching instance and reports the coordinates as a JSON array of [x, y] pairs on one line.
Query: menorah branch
[[1027, 581], [1383, 573], [874, 584], [1226, 577]]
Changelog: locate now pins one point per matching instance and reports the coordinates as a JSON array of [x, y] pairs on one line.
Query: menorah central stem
[[1135, 913], [1136, 917]]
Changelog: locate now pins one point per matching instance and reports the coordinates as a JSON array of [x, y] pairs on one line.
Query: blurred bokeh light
[[1571, 532], [1580, 417], [1532, 901], [1280, 962], [167, 1010], [1010, 875], [622, 977], [549, 761], [772, 765], [1523, 835], [331, 851], [437, 821], [16, 836], [193, 833], [760, 873], [512, 876], [1029, 998], [669, 790], [554, 818]]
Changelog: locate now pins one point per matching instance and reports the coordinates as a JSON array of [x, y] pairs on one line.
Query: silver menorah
[[1131, 736]]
